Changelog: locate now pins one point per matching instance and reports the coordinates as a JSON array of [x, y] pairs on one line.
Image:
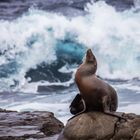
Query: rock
[[28, 125], [44, 88], [100, 126], [137, 135], [4, 110], [90, 125], [127, 129], [51, 127], [52, 88]]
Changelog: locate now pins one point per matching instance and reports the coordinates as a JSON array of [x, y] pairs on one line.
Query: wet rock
[[127, 129], [51, 127], [90, 125], [137, 135], [99, 126], [28, 125], [52, 88]]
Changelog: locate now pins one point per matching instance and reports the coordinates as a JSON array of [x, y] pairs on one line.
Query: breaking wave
[[42, 47]]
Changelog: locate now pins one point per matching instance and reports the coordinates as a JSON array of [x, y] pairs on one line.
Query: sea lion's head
[[89, 65], [90, 58], [90, 61]]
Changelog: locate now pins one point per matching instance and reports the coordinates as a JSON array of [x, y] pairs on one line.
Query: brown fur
[[97, 94]]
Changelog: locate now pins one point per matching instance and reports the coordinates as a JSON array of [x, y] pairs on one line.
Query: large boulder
[[28, 125], [100, 126]]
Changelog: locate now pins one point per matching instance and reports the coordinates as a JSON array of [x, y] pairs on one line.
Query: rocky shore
[[37, 125], [99, 126], [42, 125]]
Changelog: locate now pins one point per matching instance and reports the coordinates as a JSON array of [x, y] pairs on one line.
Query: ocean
[[42, 43]]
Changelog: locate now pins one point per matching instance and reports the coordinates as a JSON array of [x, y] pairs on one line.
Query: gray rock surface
[[28, 125], [99, 126]]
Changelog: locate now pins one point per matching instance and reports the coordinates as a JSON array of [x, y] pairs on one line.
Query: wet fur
[[96, 94]]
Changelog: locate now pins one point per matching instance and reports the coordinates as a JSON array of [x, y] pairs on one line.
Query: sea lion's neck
[[85, 70]]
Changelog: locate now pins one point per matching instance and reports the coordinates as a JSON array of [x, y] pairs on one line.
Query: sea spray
[[38, 38]]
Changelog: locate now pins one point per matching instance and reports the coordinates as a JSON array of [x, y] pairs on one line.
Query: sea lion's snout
[[89, 56]]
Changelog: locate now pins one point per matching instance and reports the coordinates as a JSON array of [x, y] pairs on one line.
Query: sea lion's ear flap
[[90, 57]]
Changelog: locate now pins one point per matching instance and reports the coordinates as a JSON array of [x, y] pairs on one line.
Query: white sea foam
[[113, 36], [133, 108], [60, 110]]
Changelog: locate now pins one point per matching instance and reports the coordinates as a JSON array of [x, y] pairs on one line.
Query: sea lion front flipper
[[84, 109], [77, 105]]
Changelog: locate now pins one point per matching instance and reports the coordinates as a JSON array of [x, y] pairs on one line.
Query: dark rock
[[52, 88], [127, 129], [44, 88], [90, 125], [6, 111], [28, 125], [99, 126], [137, 135], [52, 127]]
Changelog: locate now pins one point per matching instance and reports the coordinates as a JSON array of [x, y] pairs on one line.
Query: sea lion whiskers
[[89, 65], [90, 57], [91, 60]]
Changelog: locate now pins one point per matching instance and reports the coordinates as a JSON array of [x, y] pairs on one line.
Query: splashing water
[[41, 39]]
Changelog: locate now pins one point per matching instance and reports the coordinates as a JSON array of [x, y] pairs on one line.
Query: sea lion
[[96, 95]]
